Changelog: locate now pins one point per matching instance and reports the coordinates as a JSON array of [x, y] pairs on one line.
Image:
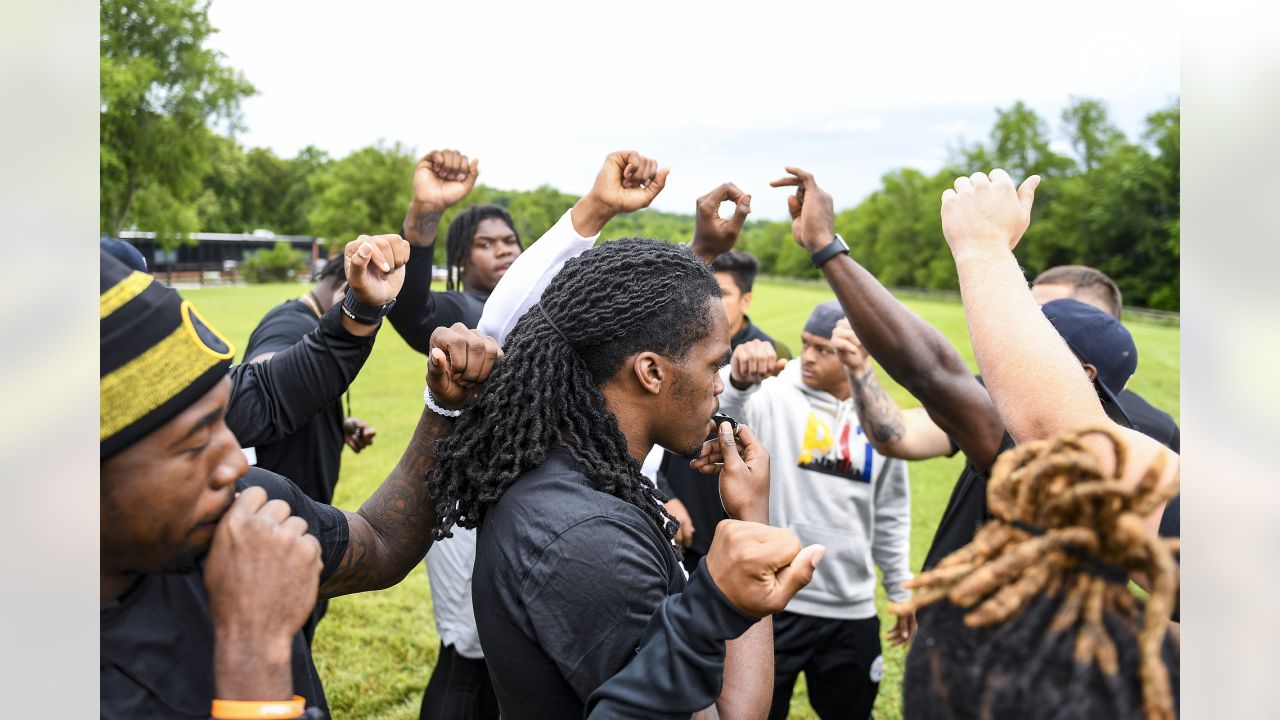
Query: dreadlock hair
[[462, 231], [613, 301], [334, 267], [1034, 618]]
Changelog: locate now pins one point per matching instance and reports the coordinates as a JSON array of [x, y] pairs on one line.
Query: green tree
[[1088, 126], [364, 193], [161, 91]]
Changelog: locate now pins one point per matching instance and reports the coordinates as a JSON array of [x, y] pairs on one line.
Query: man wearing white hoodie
[[829, 486]]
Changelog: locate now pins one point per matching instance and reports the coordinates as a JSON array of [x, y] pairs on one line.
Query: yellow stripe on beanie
[[151, 379], [122, 292]]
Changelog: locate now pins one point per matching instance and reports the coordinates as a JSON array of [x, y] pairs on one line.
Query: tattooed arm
[[391, 532], [910, 435]]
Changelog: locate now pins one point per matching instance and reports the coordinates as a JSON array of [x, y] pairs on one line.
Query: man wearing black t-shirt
[[695, 498], [574, 550], [209, 568]]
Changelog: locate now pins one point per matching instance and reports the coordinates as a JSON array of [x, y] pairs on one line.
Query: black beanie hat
[[156, 356]]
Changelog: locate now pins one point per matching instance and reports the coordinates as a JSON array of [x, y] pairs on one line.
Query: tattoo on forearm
[[392, 530], [879, 414], [425, 224]]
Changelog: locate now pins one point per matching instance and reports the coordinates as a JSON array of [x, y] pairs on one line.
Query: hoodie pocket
[[842, 576]]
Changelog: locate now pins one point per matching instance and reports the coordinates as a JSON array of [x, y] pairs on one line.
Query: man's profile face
[[696, 384], [493, 248], [162, 497], [820, 366], [734, 301]]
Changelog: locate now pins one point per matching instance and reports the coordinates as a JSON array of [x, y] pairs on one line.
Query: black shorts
[[840, 660]]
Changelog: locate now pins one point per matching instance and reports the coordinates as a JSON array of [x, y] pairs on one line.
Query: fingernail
[[365, 250], [386, 267]]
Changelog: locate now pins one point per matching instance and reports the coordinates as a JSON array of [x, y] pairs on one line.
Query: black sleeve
[[271, 399], [1175, 440], [280, 330], [418, 311], [680, 666], [327, 523], [590, 596]]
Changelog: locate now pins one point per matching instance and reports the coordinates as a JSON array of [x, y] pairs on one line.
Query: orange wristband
[[253, 709]]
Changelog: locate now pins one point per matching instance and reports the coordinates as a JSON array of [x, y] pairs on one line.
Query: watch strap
[[364, 314], [833, 248]]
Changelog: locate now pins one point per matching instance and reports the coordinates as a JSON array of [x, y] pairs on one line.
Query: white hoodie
[[830, 487]]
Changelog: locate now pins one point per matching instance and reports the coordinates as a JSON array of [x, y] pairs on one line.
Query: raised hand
[[628, 181], [262, 576], [357, 434], [760, 568], [712, 234], [812, 211], [375, 267], [986, 212], [458, 365], [849, 348], [441, 179], [752, 362]]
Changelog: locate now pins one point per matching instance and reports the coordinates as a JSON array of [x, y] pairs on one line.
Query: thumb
[[1027, 192], [473, 173], [793, 206], [357, 271], [779, 365], [437, 367], [742, 210], [658, 182], [729, 448], [798, 574]]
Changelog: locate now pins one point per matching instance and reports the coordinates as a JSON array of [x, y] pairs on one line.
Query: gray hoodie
[[830, 487]]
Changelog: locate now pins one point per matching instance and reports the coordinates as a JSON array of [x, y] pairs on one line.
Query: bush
[[278, 264]]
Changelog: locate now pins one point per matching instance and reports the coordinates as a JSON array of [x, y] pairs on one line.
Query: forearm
[[252, 668], [748, 674], [1034, 379], [391, 532], [911, 350], [420, 225], [880, 417], [414, 313]]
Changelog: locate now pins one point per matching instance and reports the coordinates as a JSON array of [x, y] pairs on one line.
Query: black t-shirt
[[311, 456], [419, 311], [701, 493], [1149, 420], [157, 639], [566, 580]]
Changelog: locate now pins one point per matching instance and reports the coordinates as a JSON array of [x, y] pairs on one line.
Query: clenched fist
[[458, 365], [760, 568], [752, 362], [628, 181], [441, 179], [852, 354], [375, 267]]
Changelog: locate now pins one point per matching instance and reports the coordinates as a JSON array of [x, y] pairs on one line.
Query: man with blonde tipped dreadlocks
[[575, 553], [1034, 617]]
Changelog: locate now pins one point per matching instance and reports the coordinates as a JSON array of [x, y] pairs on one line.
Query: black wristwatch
[[364, 314], [835, 247]]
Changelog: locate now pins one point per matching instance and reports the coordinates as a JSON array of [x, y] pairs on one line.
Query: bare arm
[[911, 350], [1035, 380], [748, 674]]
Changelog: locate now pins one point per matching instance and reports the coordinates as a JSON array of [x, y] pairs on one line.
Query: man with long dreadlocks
[[575, 554], [1033, 617]]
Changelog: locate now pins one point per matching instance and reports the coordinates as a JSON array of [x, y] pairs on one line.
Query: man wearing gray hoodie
[[829, 486]]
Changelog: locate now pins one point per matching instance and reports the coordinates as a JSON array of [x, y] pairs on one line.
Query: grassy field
[[375, 650]]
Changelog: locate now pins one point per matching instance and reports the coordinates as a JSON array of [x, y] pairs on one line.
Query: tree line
[[170, 164]]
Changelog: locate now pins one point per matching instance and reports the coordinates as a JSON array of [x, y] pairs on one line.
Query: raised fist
[[852, 354], [442, 178], [987, 213], [812, 210], [713, 235], [458, 365], [752, 362], [375, 267], [627, 182], [760, 568]]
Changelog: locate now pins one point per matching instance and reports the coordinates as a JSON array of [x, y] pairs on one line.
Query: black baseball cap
[[1100, 340]]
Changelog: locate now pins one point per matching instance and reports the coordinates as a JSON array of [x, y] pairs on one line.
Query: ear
[[746, 301], [651, 372], [1090, 370]]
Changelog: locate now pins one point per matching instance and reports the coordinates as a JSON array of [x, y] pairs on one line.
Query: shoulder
[[287, 323]]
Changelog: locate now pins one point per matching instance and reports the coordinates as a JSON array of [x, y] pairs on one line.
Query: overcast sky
[[541, 91]]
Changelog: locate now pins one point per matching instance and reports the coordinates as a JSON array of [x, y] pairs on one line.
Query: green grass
[[375, 651]]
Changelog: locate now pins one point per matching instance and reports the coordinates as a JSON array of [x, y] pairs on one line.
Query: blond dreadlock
[[1061, 522]]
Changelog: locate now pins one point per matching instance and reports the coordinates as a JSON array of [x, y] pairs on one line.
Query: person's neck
[[634, 429], [322, 294], [743, 322]]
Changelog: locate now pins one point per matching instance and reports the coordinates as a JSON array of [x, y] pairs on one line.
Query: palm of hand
[[433, 191]]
